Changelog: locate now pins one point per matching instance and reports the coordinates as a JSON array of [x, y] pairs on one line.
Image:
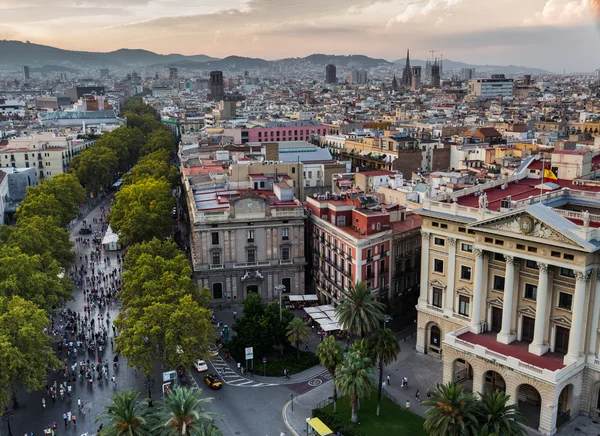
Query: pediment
[[495, 301], [526, 310], [464, 290], [561, 320], [524, 225], [437, 283]]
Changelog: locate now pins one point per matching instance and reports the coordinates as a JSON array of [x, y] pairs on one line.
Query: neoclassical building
[[246, 241], [510, 300]]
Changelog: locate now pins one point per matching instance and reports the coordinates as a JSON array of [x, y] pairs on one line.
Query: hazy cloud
[[563, 12], [424, 9]]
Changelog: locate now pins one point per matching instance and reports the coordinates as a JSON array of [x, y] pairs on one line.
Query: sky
[[555, 35]]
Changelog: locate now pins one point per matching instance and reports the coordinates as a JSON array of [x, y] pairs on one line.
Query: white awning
[[296, 298], [311, 310], [311, 297], [330, 327], [319, 316], [326, 307]]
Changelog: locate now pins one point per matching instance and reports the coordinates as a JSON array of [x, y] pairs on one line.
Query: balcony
[[369, 258], [251, 264], [384, 253], [516, 356], [216, 266], [286, 262]]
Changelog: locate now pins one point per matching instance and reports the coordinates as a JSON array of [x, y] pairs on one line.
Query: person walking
[[65, 418], [388, 379], [79, 407], [74, 418], [408, 405], [69, 414], [428, 394], [114, 382], [417, 396]]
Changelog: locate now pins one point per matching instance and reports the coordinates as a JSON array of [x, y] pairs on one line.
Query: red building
[[350, 241]]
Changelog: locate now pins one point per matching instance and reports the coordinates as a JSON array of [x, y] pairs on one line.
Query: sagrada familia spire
[[407, 73]]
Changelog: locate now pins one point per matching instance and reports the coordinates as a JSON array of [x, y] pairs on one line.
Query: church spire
[[407, 73]]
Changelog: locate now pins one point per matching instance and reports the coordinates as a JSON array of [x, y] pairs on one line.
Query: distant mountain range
[[46, 58]]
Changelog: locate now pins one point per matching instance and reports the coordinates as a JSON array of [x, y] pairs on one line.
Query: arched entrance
[[434, 339], [564, 405], [493, 382], [462, 374], [529, 403]]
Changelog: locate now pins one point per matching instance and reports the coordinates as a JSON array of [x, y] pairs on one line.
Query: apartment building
[[246, 240], [510, 297], [349, 238]]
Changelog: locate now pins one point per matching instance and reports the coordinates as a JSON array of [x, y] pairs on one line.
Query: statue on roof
[[483, 203]]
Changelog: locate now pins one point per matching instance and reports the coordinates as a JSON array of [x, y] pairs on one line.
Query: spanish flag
[[549, 176]]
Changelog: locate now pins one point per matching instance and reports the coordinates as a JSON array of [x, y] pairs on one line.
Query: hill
[[450, 65]]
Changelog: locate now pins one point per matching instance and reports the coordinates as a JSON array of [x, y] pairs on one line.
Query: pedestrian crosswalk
[[233, 378]]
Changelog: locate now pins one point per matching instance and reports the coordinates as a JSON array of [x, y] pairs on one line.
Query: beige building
[[511, 301]]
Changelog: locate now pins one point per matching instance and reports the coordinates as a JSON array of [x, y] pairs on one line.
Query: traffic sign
[[249, 353], [264, 360]]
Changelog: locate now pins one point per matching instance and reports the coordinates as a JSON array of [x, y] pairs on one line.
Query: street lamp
[[386, 319], [149, 384], [292, 397], [6, 417], [280, 288]]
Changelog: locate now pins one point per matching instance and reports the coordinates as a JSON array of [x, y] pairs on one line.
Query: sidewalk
[[302, 408]]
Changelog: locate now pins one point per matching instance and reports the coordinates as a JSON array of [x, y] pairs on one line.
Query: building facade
[[348, 242], [511, 300], [497, 86], [246, 241]]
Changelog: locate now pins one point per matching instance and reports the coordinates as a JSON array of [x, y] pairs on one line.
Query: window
[[499, 257], [532, 249], [444, 226], [467, 248], [438, 266], [498, 283], [464, 305], [434, 224], [251, 255], [567, 272], [217, 290], [439, 241], [341, 221], [530, 291], [555, 254], [568, 256], [489, 240], [520, 247], [565, 300], [531, 264], [499, 242], [285, 234], [462, 230], [287, 282], [250, 235], [285, 253], [465, 272], [436, 298], [216, 258], [215, 238]]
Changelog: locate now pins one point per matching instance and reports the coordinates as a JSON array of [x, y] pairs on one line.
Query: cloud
[[424, 9], [564, 12]]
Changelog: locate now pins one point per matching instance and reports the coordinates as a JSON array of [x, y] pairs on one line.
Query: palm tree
[[495, 418], [452, 412], [358, 311], [353, 380], [126, 416], [182, 414], [330, 355], [297, 331], [384, 347], [361, 346]]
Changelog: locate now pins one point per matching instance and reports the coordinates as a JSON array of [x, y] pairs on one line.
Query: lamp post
[[6, 417], [149, 384], [386, 319], [292, 397], [280, 288]]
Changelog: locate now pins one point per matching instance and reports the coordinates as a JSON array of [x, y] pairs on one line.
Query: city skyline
[[548, 34]]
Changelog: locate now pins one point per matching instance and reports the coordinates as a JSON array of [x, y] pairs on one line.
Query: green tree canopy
[[452, 411], [31, 278], [145, 122], [496, 418], [37, 235], [25, 352], [353, 379], [170, 332], [95, 167], [154, 165], [143, 211], [126, 416], [159, 139], [182, 414], [359, 312], [329, 352], [40, 205], [297, 331]]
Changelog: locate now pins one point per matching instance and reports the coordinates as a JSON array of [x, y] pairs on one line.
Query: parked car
[[213, 381], [201, 365]]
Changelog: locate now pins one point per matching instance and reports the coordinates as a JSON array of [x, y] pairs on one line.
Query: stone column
[[477, 292], [595, 315], [424, 270], [505, 336], [449, 302], [537, 346], [581, 278]]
